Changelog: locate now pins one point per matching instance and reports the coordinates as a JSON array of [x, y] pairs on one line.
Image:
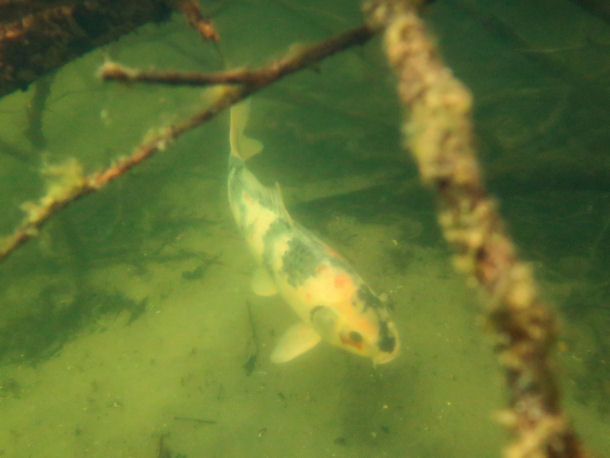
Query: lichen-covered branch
[[73, 185], [111, 71], [439, 134]]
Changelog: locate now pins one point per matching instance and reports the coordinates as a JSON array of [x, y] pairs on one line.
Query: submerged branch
[[191, 11], [37, 37], [78, 186], [440, 137], [293, 61]]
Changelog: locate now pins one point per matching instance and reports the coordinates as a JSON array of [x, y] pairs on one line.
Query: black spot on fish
[[355, 337], [275, 231], [262, 196], [387, 342], [299, 262], [369, 299], [241, 181]]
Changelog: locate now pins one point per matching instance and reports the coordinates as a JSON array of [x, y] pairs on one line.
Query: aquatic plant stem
[[438, 132], [77, 186]]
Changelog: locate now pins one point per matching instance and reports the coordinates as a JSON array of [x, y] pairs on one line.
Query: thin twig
[[79, 186], [194, 17], [112, 71], [290, 63], [250, 363], [203, 421], [35, 110]]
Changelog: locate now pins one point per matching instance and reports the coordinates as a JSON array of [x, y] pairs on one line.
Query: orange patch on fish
[[247, 197], [347, 341], [341, 281], [332, 252]]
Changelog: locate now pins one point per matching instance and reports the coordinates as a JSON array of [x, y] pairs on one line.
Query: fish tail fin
[[241, 146]]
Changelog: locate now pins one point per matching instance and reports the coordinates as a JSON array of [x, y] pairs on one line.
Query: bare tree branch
[[260, 76], [75, 185]]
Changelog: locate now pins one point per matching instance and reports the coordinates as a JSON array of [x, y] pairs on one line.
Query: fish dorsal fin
[[242, 146], [278, 202], [297, 340]]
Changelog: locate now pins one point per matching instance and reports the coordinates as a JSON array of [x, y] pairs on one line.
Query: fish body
[[332, 301]]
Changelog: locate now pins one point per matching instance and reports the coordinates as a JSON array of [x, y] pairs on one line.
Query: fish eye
[[355, 337]]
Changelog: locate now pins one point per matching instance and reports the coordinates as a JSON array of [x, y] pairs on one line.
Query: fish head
[[361, 326]]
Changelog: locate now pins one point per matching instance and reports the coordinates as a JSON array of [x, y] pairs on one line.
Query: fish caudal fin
[[242, 146]]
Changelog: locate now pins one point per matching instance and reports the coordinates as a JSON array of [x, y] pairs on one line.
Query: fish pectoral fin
[[297, 340], [262, 283]]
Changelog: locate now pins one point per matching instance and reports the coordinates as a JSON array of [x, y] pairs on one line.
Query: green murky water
[[127, 328]]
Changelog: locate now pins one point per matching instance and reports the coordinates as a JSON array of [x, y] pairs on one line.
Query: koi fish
[[332, 301]]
